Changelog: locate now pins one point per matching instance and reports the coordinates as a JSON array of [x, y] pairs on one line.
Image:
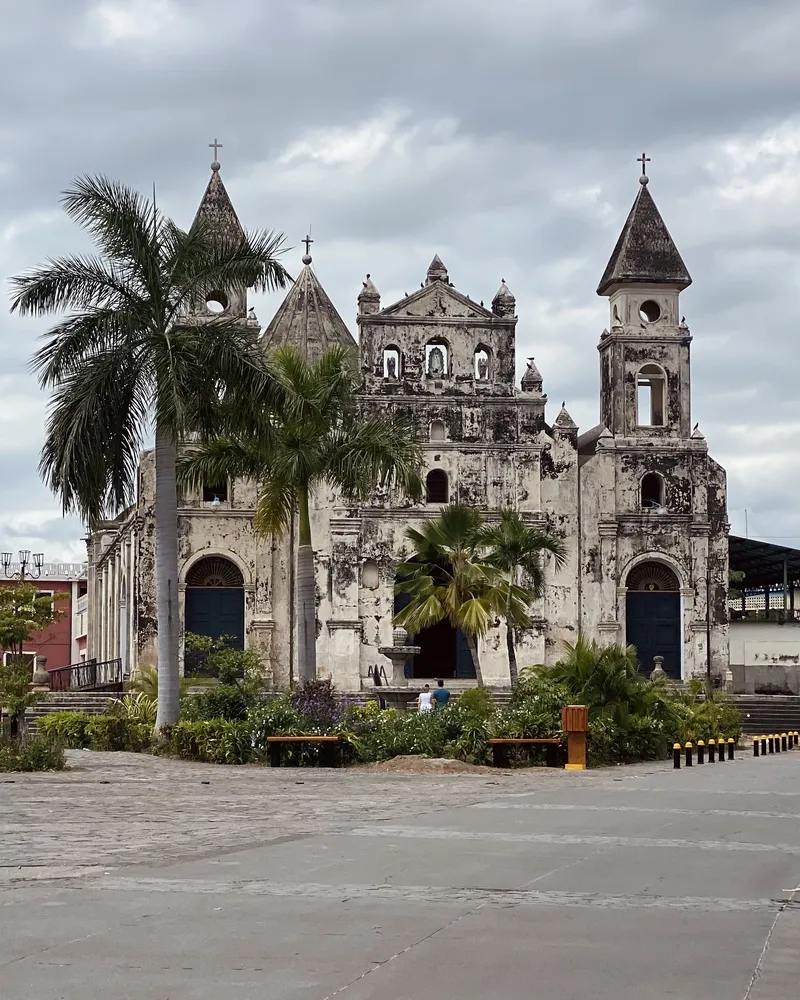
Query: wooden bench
[[329, 756], [552, 744]]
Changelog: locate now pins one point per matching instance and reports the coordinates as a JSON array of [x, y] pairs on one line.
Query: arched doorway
[[443, 650], [653, 616], [215, 600]]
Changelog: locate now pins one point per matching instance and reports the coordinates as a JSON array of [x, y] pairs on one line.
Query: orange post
[[575, 723]]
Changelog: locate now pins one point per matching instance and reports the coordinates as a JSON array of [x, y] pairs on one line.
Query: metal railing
[[89, 675]]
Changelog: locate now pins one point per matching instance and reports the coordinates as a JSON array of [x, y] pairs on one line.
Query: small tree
[[449, 578], [23, 612], [516, 546]]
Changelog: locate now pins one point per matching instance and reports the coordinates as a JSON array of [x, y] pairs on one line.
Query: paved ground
[[133, 878]]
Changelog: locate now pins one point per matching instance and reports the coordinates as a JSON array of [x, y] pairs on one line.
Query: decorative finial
[[307, 255], [215, 146], [644, 159]]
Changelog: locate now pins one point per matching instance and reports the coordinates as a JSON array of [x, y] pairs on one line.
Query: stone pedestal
[[399, 654], [40, 681], [658, 674]]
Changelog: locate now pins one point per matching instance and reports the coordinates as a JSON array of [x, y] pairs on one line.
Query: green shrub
[[217, 741], [31, 753], [223, 701], [477, 701], [136, 707], [66, 728], [77, 731]]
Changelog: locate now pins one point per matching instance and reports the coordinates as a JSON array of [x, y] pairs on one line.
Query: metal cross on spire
[[644, 159], [308, 241], [215, 146]]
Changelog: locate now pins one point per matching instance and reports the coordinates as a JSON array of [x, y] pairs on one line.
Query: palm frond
[[78, 337], [123, 223], [216, 460], [94, 433], [374, 450], [73, 283], [277, 502]]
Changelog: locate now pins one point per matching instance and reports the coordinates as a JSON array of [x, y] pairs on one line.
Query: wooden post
[[575, 723]]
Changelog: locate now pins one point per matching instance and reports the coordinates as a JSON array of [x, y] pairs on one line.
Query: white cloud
[[121, 21]]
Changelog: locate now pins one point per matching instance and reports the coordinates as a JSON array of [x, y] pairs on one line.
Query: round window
[[650, 311], [217, 302]]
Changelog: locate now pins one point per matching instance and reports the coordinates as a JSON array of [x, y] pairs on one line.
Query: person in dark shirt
[[441, 695]]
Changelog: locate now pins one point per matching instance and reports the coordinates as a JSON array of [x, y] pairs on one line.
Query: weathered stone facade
[[637, 499]]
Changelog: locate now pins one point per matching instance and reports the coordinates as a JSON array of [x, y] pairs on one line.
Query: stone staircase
[[89, 702], [765, 714]]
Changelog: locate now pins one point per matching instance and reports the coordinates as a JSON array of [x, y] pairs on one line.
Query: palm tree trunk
[[166, 516], [306, 596], [512, 652], [476, 661]]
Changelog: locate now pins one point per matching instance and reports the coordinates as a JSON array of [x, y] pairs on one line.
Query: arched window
[[370, 575], [392, 362], [437, 358], [652, 576], [215, 491], [436, 487], [652, 492], [482, 363], [215, 572], [438, 431], [651, 396]]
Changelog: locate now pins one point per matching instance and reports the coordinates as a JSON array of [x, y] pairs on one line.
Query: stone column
[[609, 625]]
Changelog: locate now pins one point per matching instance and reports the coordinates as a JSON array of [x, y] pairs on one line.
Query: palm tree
[[125, 358], [314, 433], [514, 546], [448, 578]]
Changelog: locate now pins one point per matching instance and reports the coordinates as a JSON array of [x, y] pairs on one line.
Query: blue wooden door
[[654, 628], [216, 612], [465, 668]]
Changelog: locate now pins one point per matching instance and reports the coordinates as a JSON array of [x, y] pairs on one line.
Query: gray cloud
[[502, 136]]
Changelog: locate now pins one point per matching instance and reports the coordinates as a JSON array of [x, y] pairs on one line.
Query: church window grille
[[652, 576], [215, 571], [437, 488], [215, 491], [652, 491], [651, 386], [438, 431]]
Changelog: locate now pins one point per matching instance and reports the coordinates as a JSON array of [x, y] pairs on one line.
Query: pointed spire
[[645, 252], [216, 209], [532, 380], [369, 298], [307, 318], [564, 421], [437, 271], [504, 303]]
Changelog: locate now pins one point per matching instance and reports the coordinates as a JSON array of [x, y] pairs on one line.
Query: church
[[637, 499]]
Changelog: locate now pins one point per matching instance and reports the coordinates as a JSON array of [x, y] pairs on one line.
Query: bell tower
[[644, 356]]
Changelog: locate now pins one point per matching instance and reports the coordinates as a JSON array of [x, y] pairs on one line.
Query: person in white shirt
[[425, 699]]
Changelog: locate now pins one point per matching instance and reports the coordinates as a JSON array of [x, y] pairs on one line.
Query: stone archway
[[215, 600], [653, 616]]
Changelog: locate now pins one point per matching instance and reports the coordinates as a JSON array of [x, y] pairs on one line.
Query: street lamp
[[24, 572]]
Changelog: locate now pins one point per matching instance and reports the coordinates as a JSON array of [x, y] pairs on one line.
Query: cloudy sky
[[501, 135]]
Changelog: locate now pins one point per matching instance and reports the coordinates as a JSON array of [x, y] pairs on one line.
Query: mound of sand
[[417, 764]]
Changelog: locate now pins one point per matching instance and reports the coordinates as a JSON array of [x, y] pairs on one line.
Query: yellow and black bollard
[[763, 746], [731, 747], [721, 748], [689, 754], [784, 746], [771, 744], [712, 749], [777, 743], [701, 752], [756, 745], [676, 756]]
